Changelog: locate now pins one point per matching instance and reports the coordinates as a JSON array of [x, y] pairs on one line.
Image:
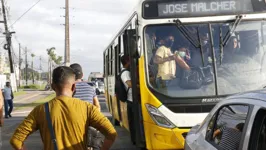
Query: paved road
[[34, 141]]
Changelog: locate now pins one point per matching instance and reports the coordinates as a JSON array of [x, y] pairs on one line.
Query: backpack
[[120, 89], [191, 79], [197, 77]]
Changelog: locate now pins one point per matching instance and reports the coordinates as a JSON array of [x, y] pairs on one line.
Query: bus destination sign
[[170, 9], [189, 8]]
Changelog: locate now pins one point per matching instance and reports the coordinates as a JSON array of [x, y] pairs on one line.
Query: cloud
[[93, 23]]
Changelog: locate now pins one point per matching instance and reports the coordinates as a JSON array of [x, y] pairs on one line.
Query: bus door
[[137, 113]]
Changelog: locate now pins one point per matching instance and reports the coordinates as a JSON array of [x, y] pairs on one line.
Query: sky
[[92, 25]]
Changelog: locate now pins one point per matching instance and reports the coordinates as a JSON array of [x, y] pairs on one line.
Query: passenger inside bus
[[151, 50], [241, 57], [166, 60], [201, 58], [231, 49]]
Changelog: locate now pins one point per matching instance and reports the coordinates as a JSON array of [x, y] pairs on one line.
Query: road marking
[[23, 99], [21, 112]]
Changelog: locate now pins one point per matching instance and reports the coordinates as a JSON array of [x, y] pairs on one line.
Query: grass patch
[[19, 93], [37, 102], [34, 87], [45, 99]]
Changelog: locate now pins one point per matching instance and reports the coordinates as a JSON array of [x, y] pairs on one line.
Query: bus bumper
[[159, 138]]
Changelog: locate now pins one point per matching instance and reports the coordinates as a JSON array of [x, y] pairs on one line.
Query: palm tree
[[32, 55], [53, 58], [59, 60]]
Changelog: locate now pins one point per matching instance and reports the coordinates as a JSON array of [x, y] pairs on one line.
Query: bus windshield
[[179, 67]]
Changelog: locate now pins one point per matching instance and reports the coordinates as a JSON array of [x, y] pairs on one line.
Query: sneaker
[[6, 117], [9, 115]]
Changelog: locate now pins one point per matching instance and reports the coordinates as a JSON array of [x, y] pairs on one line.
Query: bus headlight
[[158, 117]]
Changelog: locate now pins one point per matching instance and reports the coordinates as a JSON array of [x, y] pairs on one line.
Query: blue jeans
[[8, 102], [162, 83]]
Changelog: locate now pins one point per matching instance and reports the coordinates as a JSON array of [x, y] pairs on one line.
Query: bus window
[[238, 63]]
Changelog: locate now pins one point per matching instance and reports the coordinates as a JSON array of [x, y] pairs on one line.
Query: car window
[[226, 126], [258, 133]]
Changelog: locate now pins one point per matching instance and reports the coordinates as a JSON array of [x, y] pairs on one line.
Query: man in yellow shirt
[[166, 60], [70, 118]]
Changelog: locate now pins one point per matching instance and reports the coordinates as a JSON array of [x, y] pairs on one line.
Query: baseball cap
[[77, 69]]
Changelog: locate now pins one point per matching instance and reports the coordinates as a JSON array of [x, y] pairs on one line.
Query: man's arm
[[101, 123], [160, 60], [107, 144], [28, 126], [182, 63], [1, 109], [216, 133], [12, 95], [125, 77], [96, 102]]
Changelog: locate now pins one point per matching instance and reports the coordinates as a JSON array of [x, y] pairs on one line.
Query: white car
[[236, 123], [101, 87], [94, 87]]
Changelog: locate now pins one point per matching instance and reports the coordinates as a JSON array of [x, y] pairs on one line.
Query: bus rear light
[[158, 117]]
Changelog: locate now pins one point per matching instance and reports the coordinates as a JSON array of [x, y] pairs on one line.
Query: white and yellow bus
[[225, 44]]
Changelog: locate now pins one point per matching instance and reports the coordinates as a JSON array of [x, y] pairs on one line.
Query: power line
[[25, 13]]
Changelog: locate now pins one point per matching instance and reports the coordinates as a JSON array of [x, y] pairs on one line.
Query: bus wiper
[[200, 46], [196, 43], [232, 30], [221, 46], [185, 32]]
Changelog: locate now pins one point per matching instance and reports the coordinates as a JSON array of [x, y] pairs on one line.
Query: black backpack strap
[[50, 126]]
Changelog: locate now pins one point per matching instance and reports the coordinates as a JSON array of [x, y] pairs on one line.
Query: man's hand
[[23, 148], [107, 144], [1, 122]]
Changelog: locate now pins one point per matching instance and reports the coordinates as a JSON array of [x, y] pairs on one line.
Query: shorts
[[95, 139]]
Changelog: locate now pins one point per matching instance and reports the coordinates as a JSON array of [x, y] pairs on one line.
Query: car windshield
[[100, 83], [182, 66]]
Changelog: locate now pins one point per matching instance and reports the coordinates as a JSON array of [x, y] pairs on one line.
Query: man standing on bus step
[[86, 93], [126, 79]]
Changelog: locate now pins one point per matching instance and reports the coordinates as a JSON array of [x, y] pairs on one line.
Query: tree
[[32, 55], [52, 58], [59, 60]]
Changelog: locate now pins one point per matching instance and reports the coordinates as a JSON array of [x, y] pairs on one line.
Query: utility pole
[[19, 66], [26, 68], [67, 44], [49, 68], [8, 38], [32, 55], [40, 68]]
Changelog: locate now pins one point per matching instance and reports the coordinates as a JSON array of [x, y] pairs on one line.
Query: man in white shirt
[[8, 99], [126, 78]]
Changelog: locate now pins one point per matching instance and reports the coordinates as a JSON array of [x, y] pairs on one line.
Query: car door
[[257, 139], [214, 134]]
